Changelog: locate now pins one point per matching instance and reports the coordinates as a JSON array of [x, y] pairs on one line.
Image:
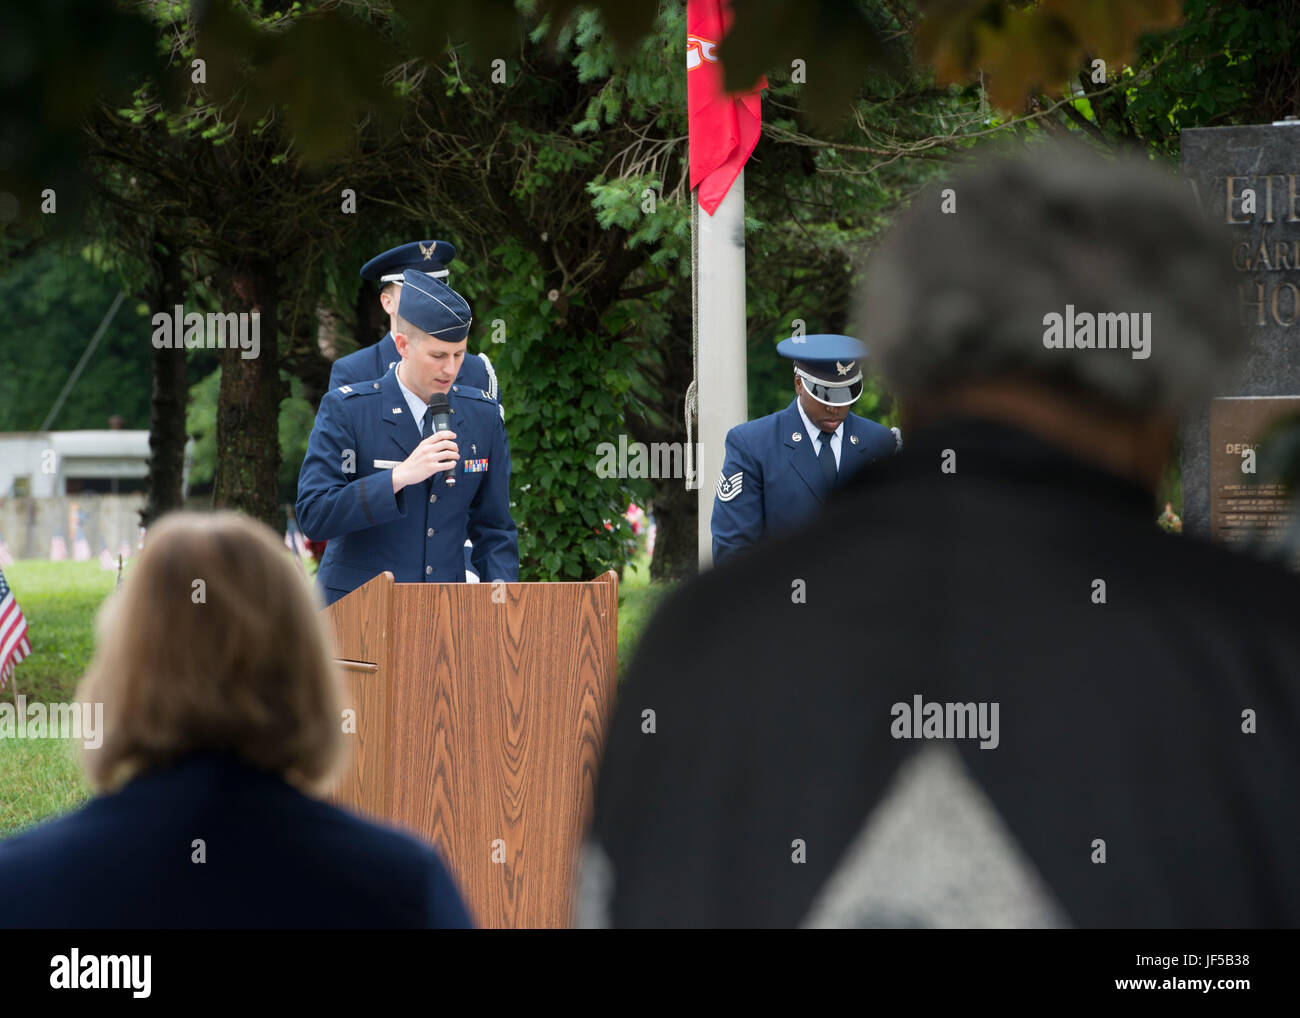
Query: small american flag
[[6, 557], [13, 633], [293, 540], [81, 549], [124, 550], [106, 560], [58, 549]]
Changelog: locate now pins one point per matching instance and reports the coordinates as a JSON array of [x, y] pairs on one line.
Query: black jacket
[[1119, 723]]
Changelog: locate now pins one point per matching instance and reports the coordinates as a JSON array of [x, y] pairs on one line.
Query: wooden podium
[[480, 722]]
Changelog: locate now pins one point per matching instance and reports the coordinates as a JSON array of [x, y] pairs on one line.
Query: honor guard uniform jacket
[[364, 430], [772, 476]]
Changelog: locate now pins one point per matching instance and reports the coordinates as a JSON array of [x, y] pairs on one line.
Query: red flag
[[723, 128]]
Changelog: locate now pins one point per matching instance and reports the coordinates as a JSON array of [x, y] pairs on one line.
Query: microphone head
[[441, 407]]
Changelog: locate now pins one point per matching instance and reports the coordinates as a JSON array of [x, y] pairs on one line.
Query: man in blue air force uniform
[[374, 361], [779, 469], [379, 492], [365, 365]]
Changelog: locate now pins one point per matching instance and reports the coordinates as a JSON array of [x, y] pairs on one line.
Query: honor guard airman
[[385, 489], [779, 469], [430, 257]]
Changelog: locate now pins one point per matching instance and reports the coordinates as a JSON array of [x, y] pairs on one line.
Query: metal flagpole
[[721, 388]]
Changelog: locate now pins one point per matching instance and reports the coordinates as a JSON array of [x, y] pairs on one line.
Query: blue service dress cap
[[433, 307], [829, 365], [429, 256]]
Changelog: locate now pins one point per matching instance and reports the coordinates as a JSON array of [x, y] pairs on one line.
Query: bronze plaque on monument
[[1248, 180], [1239, 507]]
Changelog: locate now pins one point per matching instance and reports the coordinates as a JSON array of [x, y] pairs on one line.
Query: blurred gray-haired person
[[1002, 697]]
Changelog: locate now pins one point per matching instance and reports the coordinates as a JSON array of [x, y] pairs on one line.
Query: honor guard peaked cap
[[429, 256], [433, 307], [830, 366]]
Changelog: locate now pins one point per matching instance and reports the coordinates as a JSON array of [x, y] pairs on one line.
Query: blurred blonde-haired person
[[221, 727]]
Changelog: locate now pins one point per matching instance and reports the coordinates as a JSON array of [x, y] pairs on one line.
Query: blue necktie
[[825, 457]]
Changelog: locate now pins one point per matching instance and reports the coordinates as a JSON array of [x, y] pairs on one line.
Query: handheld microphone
[[441, 407]]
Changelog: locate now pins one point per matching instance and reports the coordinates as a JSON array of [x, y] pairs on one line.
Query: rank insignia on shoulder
[[729, 487], [345, 388], [476, 466]]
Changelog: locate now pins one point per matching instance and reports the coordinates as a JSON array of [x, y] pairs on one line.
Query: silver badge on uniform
[[729, 487]]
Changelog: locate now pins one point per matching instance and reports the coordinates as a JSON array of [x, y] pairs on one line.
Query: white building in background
[[50, 464], [78, 491]]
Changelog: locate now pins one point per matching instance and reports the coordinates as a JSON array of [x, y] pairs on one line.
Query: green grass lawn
[[41, 777], [60, 600], [637, 598]]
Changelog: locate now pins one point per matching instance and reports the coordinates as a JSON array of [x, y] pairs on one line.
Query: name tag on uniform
[[386, 464], [475, 466]]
